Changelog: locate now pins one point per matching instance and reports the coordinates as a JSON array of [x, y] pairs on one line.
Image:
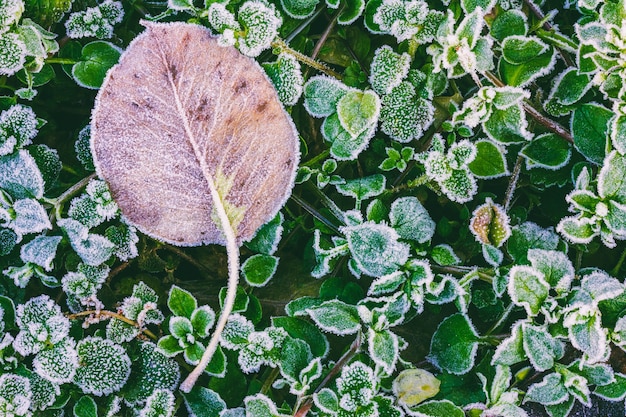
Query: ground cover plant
[[451, 242]]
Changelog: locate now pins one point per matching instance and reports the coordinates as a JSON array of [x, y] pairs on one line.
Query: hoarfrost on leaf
[[411, 220], [96, 21], [12, 53], [159, 404], [286, 76], [41, 251], [15, 395], [261, 22], [388, 69], [18, 127], [57, 364], [41, 324], [10, 13], [104, 367]]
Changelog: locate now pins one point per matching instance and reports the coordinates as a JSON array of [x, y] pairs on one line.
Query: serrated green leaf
[[203, 402], [411, 220], [336, 317], [454, 345], [304, 330], [589, 128]]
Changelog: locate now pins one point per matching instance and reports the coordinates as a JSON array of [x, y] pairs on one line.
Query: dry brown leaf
[[180, 111]]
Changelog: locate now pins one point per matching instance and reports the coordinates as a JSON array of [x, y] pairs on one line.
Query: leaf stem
[[62, 61], [510, 191], [69, 193], [534, 113], [619, 264], [112, 315], [232, 248], [283, 47]]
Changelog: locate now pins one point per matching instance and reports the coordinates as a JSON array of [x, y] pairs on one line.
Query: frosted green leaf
[[57, 364], [181, 302], [345, 147], [112, 10], [304, 330], [299, 9], [363, 188], [411, 220], [20, 176], [41, 324], [258, 269], [202, 320], [521, 49], [383, 349], [612, 177], [470, 5], [92, 248], [618, 133], [82, 148], [375, 248], [18, 127], [454, 345], [489, 161], [613, 391], [151, 370], [589, 127], [541, 349], [326, 400], [30, 217], [104, 367], [125, 239], [490, 224], [358, 111], [180, 5], [120, 332], [577, 230], [268, 236], [236, 332], [493, 256], [10, 13], [336, 317], [286, 76], [260, 405], [40, 251], [321, 95], [85, 407], [181, 328], [159, 404], [388, 69], [527, 288], [507, 126], [548, 151], [549, 391], [527, 236], [588, 336], [295, 355], [511, 350], [569, 87], [438, 408], [15, 395], [85, 210], [221, 19], [509, 23], [518, 68], [600, 286], [44, 393], [88, 24], [460, 186], [204, 402], [96, 59], [404, 116], [12, 53], [261, 22], [444, 255], [555, 266]]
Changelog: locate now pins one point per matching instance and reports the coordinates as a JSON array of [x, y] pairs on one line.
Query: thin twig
[[313, 212], [283, 47], [112, 315], [513, 182], [354, 348]]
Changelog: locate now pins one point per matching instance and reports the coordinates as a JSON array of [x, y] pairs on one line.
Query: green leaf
[[299, 9], [321, 95], [521, 49], [549, 391], [548, 151], [203, 402], [525, 72], [489, 161], [507, 126], [96, 59], [364, 187], [259, 269], [260, 405], [242, 300], [411, 220], [344, 147], [336, 317], [509, 23], [612, 177], [511, 350], [358, 111], [304, 330], [181, 302], [169, 345], [85, 407], [352, 10], [388, 69], [613, 391], [267, 237], [20, 176], [438, 408], [528, 236], [295, 355], [577, 230], [326, 400], [375, 248], [444, 255], [202, 320], [383, 349], [570, 87], [454, 345], [589, 128], [404, 115], [527, 288], [540, 347]]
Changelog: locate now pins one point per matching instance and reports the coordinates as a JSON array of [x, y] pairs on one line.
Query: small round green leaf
[[259, 269], [96, 59]]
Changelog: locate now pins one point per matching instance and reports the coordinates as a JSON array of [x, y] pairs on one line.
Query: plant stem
[[283, 47], [62, 61], [513, 182], [313, 212], [304, 24], [113, 315], [58, 201], [619, 264], [354, 348], [534, 113], [322, 40]]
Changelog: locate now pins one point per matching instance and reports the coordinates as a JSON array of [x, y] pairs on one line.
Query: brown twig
[[112, 315]]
